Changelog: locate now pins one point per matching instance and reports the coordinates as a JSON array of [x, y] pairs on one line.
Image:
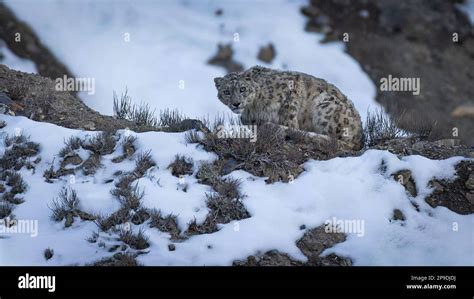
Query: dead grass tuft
[[143, 162], [102, 143], [66, 203], [137, 241], [379, 127], [181, 166], [70, 145], [167, 224]]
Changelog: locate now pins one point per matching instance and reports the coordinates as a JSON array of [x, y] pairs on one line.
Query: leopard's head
[[236, 91]]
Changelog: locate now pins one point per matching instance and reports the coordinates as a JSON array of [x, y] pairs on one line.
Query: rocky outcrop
[[427, 39], [435, 150], [458, 194], [40, 101]]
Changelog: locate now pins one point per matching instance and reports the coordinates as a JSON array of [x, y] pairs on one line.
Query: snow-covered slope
[[353, 188], [171, 41]]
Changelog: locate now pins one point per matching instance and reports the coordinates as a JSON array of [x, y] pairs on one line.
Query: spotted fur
[[292, 99]]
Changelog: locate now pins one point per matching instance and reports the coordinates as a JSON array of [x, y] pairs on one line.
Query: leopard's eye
[[243, 89], [226, 92]]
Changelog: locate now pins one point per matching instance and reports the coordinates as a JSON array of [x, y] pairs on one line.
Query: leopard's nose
[[236, 105]]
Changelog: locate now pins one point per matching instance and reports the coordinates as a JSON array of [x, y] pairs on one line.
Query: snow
[[171, 41], [352, 189]]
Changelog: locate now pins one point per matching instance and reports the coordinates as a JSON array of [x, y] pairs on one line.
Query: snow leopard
[[292, 100]]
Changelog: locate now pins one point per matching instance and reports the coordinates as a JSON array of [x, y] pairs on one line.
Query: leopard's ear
[[218, 81], [253, 71]]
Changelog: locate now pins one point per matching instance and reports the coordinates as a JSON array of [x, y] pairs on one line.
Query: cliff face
[[429, 40]]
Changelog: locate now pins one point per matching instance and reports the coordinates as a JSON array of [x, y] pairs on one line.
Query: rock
[[269, 258], [219, 12], [437, 186], [398, 215], [316, 240], [470, 197], [9, 106], [302, 227], [267, 54], [470, 182], [455, 194], [404, 178], [5, 99], [228, 166], [276, 258], [48, 253], [5, 109], [2, 188], [431, 201], [463, 111], [334, 260], [224, 59], [171, 247]]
